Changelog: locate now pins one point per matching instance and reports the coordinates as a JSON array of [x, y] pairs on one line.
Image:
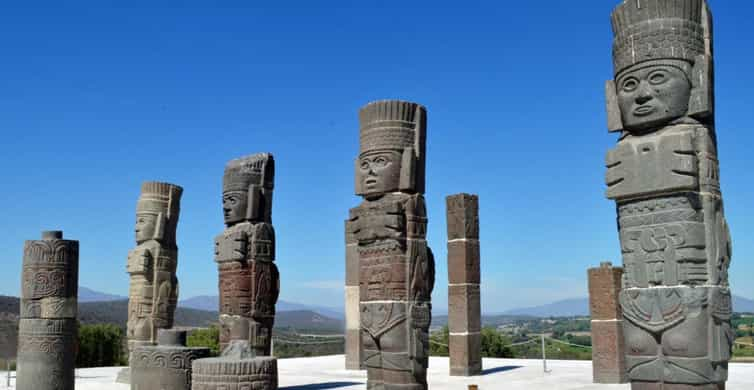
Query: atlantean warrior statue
[[396, 266], [245, 254], [249, 281], [663, 175], [153, 293], [48, 328]]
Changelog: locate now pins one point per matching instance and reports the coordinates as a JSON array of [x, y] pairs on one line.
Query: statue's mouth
[[643, 110], [370, 182]]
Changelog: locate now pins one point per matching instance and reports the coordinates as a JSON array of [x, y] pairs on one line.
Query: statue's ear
[[701, 104], [358, 183], [408, 171], [252, 202], [614, 119], [159, 227]]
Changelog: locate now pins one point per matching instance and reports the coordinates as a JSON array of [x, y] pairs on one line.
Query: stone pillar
[[608, 352], [249, 281], [166, 366], [464, 307], [48, 328], [663, 175], [354, 355], [396, 267]]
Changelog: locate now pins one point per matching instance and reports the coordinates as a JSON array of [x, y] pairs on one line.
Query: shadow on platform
[[321, 386], [495, 370]]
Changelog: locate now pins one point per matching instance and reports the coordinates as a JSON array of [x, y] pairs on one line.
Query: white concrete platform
[[324, 373]]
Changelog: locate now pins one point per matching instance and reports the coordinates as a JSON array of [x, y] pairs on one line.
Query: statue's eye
[[630, 84], [365, 165], [658, 77], [380, 161]]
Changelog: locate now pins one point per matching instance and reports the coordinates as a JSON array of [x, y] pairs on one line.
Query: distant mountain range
[[580, 307], [210, 303]]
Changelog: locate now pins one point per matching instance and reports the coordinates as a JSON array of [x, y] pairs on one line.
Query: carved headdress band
[[157, 197], [659, 29], [257, 169], [392, 125]]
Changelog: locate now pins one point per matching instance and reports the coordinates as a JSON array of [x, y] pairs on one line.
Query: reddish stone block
[[463, 216], [465, 354], [464, 308], [463, 262], [608, 352], [604, 289]]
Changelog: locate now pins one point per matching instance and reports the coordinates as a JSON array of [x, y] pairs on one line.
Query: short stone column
[[464, 307], [608, 351], [235, 374], [354, 354], [47, 328], [166, 366]]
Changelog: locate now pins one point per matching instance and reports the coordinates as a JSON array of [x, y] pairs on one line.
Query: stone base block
[[465, 354], [464, 308], [608, 352], [675, 386], [354, 356], [163, 368], [124, 376], [233, 374]]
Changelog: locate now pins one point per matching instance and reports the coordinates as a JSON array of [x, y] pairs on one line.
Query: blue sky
[[96, 98]]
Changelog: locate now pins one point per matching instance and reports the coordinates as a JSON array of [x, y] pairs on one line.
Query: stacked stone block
[[48, 328], [354, 354], [608, 352], [464, 311], [165, 366]]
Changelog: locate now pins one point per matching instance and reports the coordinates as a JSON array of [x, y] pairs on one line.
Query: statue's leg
[[372, 362]]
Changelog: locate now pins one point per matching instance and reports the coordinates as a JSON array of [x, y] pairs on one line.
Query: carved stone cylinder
[[608, 346], [48, 328], [244, 374], [166, 366], [464, 306]]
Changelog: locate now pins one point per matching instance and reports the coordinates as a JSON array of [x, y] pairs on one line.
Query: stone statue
[[48, 329], [245, 254], [397, 269], [153, 292], [664, 176], [249, 281]]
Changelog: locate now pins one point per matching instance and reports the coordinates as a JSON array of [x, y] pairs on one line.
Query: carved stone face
[[146, 223], [380, 172], [234, 206], [651, 95]]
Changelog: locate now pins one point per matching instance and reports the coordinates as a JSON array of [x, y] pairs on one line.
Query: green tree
[[495, 345], [439, 341], [206, 337], [100, 345]]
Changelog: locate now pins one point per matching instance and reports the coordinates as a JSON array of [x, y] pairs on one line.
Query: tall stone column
[[608, 346], [48, 328], [354, 352], [396, 267], [663, 175], [464, 306], [249, 281]]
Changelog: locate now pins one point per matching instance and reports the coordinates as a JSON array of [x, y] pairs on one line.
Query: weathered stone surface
[[152, 264], [226, 374], [608, 352], [396, 267], [249, 280], [464, 262], [465, 357], [166, 366], [664, 177], [608, 347], [47, 331], [464, 306], [353, 348]]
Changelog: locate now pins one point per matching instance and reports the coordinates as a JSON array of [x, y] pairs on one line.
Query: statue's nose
[[644, 94]]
